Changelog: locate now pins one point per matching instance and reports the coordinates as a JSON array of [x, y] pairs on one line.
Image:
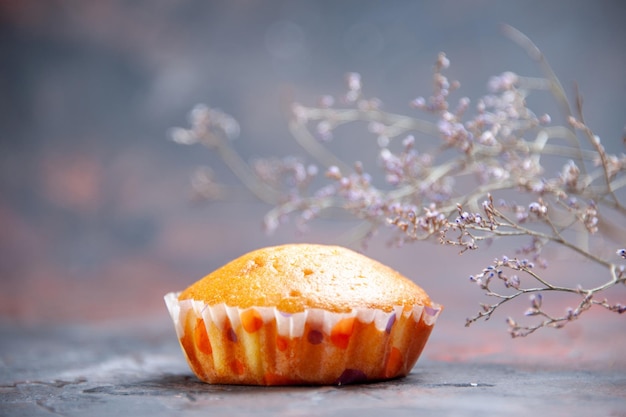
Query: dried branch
[[498, 145]]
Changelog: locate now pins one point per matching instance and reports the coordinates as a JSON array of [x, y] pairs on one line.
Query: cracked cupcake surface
[[302, 314]]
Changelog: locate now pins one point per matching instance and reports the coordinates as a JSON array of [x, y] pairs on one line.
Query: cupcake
[[302, 314]]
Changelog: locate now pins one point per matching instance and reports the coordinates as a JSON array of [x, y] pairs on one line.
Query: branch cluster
[[449, 175]]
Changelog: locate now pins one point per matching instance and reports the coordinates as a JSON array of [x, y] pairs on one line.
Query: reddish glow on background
[[94, 211]]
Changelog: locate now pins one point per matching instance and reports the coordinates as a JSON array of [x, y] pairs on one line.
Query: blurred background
[[96, 221]]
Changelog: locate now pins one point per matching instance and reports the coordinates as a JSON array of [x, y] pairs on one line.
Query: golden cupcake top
[[296, 277]]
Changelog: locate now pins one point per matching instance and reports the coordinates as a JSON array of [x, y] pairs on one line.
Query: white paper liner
[[236, 357], [292, 325]]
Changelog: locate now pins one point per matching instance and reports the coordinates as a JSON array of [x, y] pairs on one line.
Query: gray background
[[95, 218]]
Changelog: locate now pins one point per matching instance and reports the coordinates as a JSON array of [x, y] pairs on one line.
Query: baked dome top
[[295, 277]]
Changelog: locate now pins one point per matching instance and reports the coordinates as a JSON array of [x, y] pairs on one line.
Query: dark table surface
[[120, 369]]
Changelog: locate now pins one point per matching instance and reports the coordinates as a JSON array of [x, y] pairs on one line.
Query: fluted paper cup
[[264, 346]]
